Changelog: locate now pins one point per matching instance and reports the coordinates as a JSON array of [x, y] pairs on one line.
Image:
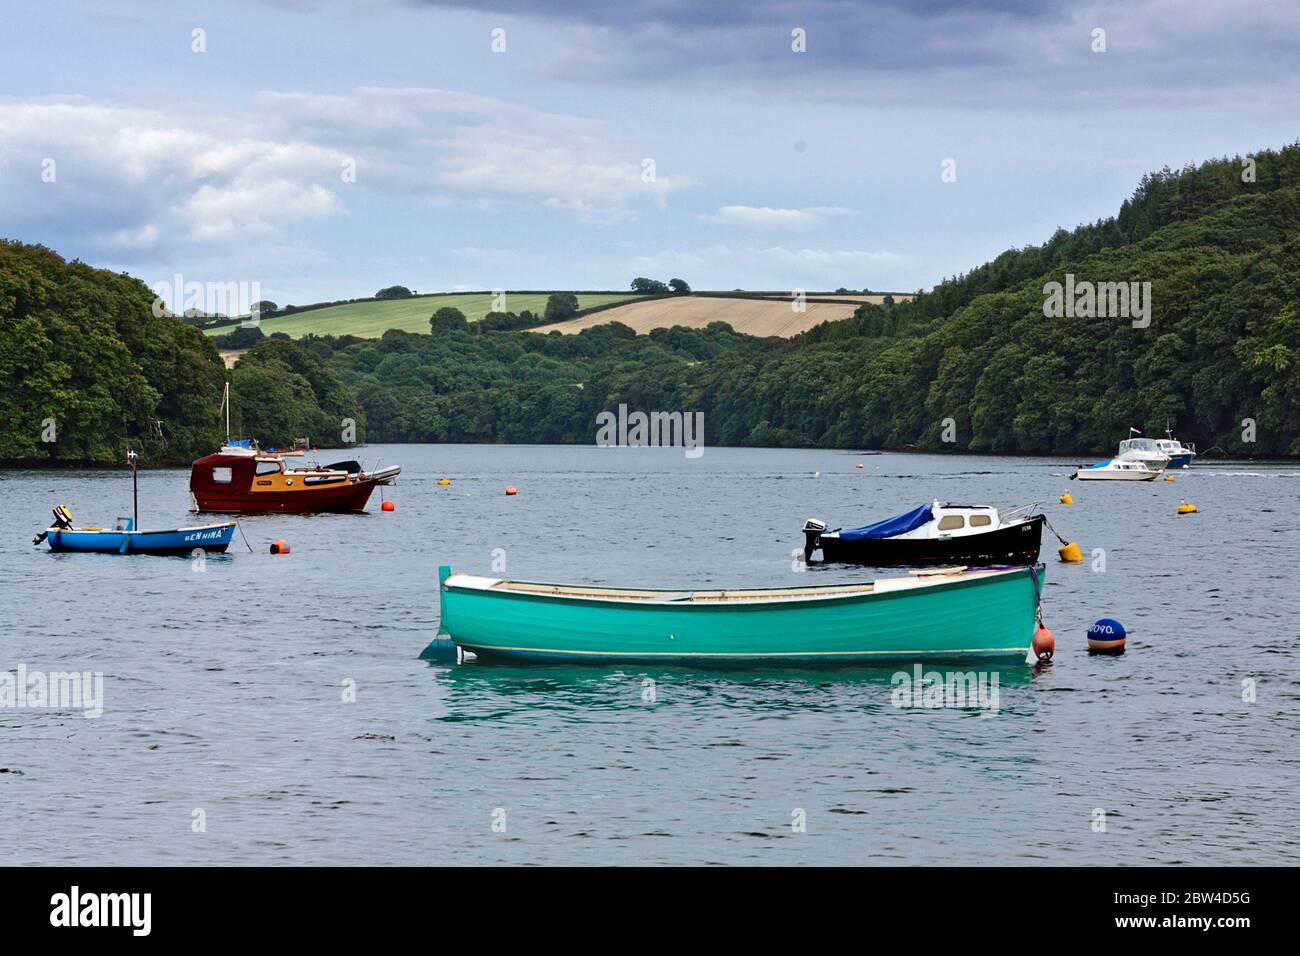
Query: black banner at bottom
[[338, 905]]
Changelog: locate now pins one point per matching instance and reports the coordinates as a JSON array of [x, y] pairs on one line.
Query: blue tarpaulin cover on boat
[[890, 526]]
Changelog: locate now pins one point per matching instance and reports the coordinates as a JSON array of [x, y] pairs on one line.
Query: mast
[[135, 492], [225, 403]]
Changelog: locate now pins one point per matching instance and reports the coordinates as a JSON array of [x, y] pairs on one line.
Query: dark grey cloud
[[1021, 51]]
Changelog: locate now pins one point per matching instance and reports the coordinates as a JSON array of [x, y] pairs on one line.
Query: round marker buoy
[[1169, 477], [279, 546], [1044, 644], [511, 490], [859, 465], [1070, 553], [1066, 499], [1184, 508], [388, 506], [444, 481], [1106, 636]]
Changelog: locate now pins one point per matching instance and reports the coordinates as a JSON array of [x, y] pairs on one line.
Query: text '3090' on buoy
[[1106, 636]]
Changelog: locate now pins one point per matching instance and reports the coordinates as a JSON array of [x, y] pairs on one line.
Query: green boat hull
[[988, 616]]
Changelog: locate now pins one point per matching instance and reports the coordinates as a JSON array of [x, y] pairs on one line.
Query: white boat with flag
[[1145, 450]]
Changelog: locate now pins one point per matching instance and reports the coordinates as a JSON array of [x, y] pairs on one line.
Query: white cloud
[[146, 237], [134, 179], [439, 141], [145, 177], [765, 217]]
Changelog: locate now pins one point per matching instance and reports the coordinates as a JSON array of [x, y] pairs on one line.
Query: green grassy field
[[373, 319]]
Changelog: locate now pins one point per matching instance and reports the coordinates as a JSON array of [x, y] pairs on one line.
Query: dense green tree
[[448, 319], [243, 337], [561, 306], [90, 372], [281, 391], [394, 292]]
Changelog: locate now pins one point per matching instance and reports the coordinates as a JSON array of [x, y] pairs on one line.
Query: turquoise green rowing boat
[[986, 613]]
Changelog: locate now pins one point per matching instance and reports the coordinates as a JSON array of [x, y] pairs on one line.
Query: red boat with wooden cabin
[[233, 482]]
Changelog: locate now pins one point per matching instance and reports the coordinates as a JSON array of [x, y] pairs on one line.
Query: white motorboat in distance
[[1117, 470]]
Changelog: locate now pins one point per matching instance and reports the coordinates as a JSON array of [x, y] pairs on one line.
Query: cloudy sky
[[325, 148]]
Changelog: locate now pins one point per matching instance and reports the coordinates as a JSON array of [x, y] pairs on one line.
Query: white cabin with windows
[[952, 521], [1144, 450]]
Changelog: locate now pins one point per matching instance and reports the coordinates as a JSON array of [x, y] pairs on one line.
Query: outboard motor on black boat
[[812, 532]]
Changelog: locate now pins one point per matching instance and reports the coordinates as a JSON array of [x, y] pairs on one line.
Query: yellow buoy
[[1186, 509], [1070, 553], [444, 481], [1169, 477], [1066, 499]]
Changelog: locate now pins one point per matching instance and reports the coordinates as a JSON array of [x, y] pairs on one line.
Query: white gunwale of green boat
[[714, 597]]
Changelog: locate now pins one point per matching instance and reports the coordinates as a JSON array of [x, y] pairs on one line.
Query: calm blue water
[[224, 686]]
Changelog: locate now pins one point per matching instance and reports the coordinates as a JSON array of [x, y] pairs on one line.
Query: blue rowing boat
[[124, 539]]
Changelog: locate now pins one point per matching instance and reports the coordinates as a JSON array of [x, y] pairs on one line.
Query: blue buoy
[[1106, 636]]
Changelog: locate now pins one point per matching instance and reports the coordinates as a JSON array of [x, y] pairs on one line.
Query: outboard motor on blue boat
[[62, 522], [812, 533]]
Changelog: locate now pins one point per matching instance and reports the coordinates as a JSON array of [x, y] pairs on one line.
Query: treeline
[[469, 384], [90, 372], [1219, 361]]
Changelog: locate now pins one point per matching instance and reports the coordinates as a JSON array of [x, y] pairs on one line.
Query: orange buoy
[[444, 481], [511, 490], [1044, 644], [388, 506], [279, 546]]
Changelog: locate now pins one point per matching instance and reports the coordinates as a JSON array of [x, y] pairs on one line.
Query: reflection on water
[[284, 695], [477, 690]]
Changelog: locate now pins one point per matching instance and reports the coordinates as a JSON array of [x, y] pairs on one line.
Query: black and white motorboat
[[937, 533]]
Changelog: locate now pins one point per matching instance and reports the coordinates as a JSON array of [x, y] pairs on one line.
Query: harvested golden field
[[761, 317]]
